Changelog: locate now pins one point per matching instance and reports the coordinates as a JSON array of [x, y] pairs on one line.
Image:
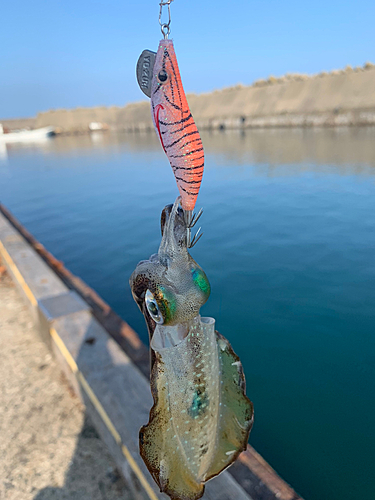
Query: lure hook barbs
[[196, 238], [191, 219], [165, 27], [195, 218]]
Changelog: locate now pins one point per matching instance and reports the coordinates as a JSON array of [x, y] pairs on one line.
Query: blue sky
[[83, 53]]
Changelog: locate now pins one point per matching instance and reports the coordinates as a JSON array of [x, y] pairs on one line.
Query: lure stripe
[[166, 54], [178, 121], [175, 125], [189, 182], [183, 137], [188, 192], [157, 89], [189, 142], [189, 153], [174, 131], [172, 103], [198, 167]]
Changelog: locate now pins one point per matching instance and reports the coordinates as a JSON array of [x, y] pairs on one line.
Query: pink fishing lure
[[175, 125]]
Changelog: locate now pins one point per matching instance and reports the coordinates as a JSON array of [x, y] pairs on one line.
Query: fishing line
[[165, 27]]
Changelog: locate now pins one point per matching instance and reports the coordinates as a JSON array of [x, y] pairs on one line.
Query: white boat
[[97, 126], [37, 135]]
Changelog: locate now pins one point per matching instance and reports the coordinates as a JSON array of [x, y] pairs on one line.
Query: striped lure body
[[175, 125]]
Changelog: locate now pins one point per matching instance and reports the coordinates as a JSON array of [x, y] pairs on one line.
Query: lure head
[[170, 287], [166, 77]]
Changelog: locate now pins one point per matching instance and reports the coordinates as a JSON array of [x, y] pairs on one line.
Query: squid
[[201, 418]]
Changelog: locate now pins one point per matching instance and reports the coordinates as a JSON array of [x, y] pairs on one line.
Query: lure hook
[[196, 238], [165, 27], [191, 219]]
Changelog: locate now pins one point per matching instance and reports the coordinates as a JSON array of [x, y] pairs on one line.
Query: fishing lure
[[159, 78], [201, 417]]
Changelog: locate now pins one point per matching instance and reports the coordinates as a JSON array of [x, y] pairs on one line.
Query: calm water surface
[[288, 245]]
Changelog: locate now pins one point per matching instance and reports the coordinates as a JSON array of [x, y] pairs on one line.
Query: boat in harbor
[[24, 135]]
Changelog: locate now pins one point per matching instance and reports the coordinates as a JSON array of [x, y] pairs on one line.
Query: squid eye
[[153, 308], [162, 76]]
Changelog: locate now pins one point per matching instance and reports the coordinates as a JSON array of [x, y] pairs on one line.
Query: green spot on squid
[[199, 403], [201, 281]]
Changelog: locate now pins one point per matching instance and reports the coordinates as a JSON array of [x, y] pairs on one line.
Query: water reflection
[[3, 151], [317, 150], [350, 147]]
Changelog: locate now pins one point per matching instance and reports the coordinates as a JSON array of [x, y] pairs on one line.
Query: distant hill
[[18, 123]]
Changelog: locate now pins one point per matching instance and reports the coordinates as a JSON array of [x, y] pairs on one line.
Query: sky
[[72, 53]]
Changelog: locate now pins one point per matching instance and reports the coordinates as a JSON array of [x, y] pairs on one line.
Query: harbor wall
[[345, 97], [18, 123], [342, 97]]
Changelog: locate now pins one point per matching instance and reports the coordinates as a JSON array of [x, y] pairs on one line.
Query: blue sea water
[[288, 246]]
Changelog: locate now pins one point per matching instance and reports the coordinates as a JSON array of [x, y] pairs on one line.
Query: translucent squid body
[[201, 418]]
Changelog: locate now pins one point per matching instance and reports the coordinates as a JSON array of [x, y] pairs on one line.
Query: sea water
[[289, 249]]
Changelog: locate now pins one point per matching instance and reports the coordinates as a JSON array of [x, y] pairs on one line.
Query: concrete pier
[[49, 449]]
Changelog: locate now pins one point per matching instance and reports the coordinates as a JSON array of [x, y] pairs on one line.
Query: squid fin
[[236, 410]]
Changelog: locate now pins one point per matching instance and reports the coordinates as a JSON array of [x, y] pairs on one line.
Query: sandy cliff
[[18, 123], [345, 97]]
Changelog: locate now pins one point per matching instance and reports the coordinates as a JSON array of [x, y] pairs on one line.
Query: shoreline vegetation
[[335, 98]]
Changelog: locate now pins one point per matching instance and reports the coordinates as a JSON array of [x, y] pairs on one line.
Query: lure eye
[[162, 76], [153, 308]]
